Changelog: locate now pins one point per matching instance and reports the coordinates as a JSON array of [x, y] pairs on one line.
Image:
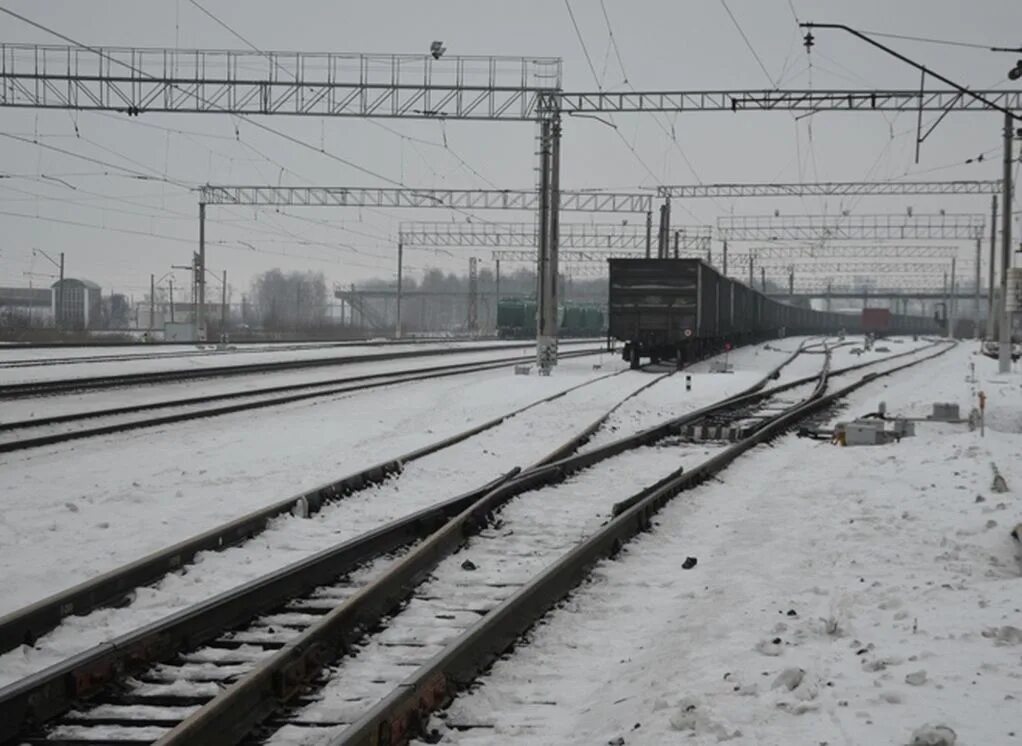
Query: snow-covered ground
[[130, 364], [841, 596]]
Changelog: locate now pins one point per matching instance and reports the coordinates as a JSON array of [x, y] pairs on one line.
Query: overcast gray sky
[[137, 228]]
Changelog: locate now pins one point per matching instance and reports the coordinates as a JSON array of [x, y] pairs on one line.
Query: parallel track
[[67, 385], [22, 435]]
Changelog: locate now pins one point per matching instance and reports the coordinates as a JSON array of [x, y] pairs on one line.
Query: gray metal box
[[864, 433], [945, 411]]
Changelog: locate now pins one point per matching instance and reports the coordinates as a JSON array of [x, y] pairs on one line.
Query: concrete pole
[[723, 270], [200, 278], [60, 292], [649, 233], [991, 308], [223, 308], [979, 258], [1004, 341], [555, 233], [400, 263], [152, 304], [762, 279], [170, 289], [791, 282], [677, 240], [952, 310]]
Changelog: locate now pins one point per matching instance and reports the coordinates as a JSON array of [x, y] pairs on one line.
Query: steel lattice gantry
[[829, 188], [779, 254], [603, 102], [576, 256], [135, 80], [455, 199], [863, 268], [850, 227], [608, 236]]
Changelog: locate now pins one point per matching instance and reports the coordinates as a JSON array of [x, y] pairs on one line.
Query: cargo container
[[876, 320]]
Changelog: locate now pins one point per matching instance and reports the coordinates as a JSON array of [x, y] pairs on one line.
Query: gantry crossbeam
[[457, 199], [775, 254], [137, 80], [850, 227], [597, 102], [609, 236], [862, 268], [830, 188]]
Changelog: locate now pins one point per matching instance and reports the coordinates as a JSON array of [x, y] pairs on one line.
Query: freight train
[[516, 319], [684, 309]]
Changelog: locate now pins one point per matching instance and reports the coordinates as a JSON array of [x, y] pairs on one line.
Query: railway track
[[269, 641], [70, 385], [42, 431], [211, 350]]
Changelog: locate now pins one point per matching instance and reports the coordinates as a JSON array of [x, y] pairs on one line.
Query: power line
[[929, 40], [748, 43], [582, 42]]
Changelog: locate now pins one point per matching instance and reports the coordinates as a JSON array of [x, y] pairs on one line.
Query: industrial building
[[76, 303]]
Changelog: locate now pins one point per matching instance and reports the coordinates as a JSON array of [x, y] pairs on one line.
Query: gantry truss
[[850, 227], [924, 282], [580, 256], [596, 102], [609, 236], [774, 254], [829, 188], [861, 268], [455, 199], [136, 80]]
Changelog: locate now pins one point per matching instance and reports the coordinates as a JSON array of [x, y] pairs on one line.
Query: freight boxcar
[[684, 309], [876, 321]]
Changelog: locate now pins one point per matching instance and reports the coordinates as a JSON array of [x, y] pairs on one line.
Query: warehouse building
[[76, 303]]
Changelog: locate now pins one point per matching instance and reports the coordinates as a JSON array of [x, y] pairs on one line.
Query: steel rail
[[57, 386], [368, 382], [52, 691], [398, 717]]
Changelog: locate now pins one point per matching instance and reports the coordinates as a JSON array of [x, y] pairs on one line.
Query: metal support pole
[[791, 282], [223, 308], [677, 239], [1004, 338], [170, 293], [828, 296], [200, 278], [991, 308], [723, 270], [400, 263], [751, 286], [762, 279], [152, 304], [497, 294], [649, 233]]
